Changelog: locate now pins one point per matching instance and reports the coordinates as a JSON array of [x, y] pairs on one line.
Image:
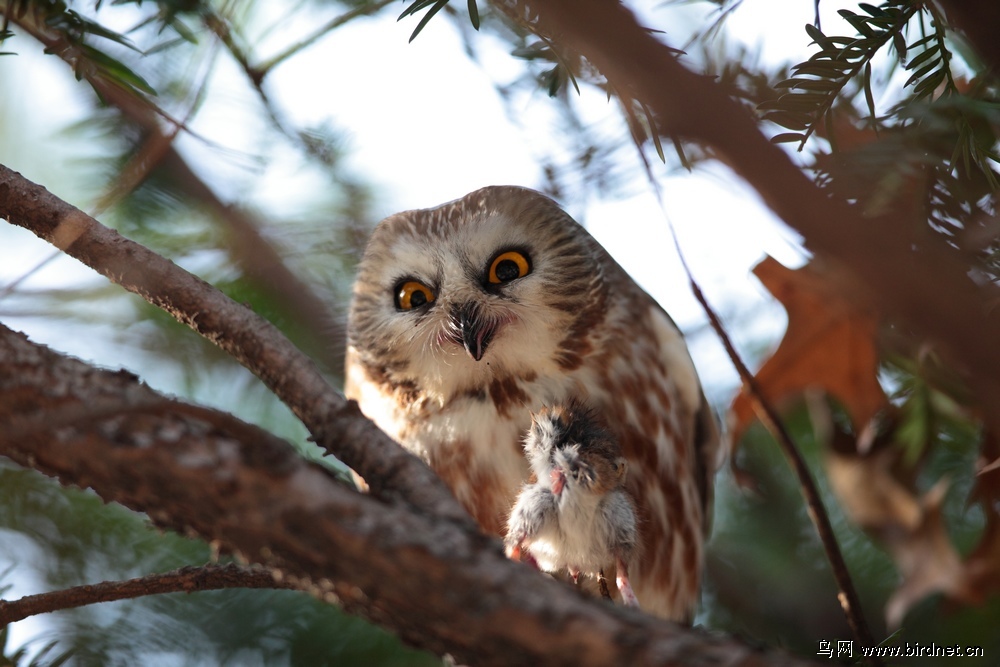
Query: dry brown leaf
[[910, 528], [871, 495], [829, 344], [926, 559], [877, 494]]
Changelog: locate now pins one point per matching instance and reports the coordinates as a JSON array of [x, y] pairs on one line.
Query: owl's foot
[[519, 553], [624, 587], [602, 584]]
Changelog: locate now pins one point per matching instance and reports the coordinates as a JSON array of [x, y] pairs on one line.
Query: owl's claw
[[624, 587], [517, 552]]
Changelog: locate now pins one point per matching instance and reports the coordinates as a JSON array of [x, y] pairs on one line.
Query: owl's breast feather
[[472, 441]]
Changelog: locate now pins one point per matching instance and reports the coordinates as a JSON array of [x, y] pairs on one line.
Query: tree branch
[[249, 248], [847, 595], [979, 20], [440, 584], [925, 285], [334, 423], [183, 580]]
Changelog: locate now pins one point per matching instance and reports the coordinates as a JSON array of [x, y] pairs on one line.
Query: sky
[[426, 125]]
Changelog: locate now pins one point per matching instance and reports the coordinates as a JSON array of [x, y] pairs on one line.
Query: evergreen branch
[[433, 7], [819, 81]]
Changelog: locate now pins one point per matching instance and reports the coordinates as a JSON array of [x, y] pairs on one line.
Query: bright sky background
[[426, 126]]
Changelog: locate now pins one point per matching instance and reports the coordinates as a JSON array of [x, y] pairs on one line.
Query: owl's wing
[[706, 441], [668, 406], [645, 385], [709, 450]]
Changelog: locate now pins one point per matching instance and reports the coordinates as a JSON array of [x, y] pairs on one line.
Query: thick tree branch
[[979, 20], [183, 580], [334, 423], [924, 285], [441, 585]]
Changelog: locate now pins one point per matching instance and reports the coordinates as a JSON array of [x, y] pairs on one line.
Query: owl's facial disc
[[472, 324]]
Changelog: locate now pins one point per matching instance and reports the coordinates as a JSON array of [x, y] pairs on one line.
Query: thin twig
[[847, 595], [139, 166], [364, 10], [187, 579], [12, 286], [335, 424]]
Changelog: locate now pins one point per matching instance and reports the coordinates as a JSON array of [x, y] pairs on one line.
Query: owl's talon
[[624, 586], [602, 584]]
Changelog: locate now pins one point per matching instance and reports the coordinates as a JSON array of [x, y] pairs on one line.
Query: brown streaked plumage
[[468, 317]]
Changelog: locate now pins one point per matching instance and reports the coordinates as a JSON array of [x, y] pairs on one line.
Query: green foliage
[[66, 28], [819, 82], [557, 68], [82, 540], [434, 7], [4, 34], [20, 656], [764, 548], [932, 155]]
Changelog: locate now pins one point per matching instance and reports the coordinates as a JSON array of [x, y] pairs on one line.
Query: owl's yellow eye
[[508, 266], [411, 294]]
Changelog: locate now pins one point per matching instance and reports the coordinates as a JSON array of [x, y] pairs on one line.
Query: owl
[[573, 513], [468, 317]]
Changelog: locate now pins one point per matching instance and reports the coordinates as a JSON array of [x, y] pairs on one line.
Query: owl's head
[[500, 283], [568, 446]]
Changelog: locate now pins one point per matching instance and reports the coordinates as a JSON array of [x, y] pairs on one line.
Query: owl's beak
[[476, 331]]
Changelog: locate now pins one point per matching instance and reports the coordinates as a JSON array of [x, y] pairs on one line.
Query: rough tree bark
[[439, 583], [250, 339]]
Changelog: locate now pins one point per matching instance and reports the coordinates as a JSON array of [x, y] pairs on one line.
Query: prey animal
[[574, 514]]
